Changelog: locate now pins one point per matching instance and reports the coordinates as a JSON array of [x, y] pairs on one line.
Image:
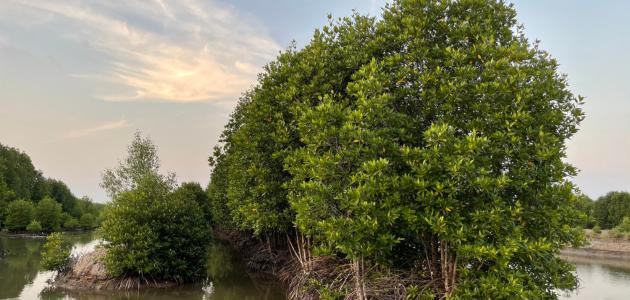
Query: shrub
[[34, 226], [615, 234], [56, 253], [19, 215], [624, 227], [154, 232], [610, 209], [88, 221], [48, 213], [151, 229], [597, 229], [71, 223]]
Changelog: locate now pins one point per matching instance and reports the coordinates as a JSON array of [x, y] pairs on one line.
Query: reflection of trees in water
[[225, 270], [619, 265], [20, 266], [231, 280], [220, 262]]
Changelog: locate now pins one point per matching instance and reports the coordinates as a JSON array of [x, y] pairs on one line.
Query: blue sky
[[77, 78]]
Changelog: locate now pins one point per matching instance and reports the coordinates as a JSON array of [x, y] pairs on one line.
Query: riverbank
[[26, 234], [87, 272], [602, 245]]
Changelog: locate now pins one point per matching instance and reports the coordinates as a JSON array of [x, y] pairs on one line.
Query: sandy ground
[[602, 245]]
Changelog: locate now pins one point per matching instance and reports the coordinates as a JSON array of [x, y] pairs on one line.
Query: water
[[604, 279], [21, 276]]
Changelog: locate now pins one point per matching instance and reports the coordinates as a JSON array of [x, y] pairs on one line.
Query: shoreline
[[595, 253], [601, 246], [40, 234], [88, 273]]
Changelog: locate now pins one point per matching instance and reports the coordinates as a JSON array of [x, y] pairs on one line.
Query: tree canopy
[[610, 209], [19, 180], [429, 140]]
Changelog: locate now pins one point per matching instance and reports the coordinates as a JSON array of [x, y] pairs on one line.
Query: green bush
[[88, 221], [610, 209], [56, 252], [19, 215], [71, 223], [431, 138], [48, 213], [624, 227], [597, 229], [615, 234], [150, 228], [34, 226]]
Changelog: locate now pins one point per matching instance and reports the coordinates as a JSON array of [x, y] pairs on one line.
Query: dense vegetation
[[153, 229], [427, 143], [609, 210], [56, 252], [27, 197]]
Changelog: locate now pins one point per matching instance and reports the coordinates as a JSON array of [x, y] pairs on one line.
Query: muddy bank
[[87, 272], [23, 234], [27, 234], [602, 247]]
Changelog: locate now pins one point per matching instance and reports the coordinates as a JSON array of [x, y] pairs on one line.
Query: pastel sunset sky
[[77, 78]]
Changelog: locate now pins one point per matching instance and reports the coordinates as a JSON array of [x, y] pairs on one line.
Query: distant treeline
[[30, 201], [607, 212]]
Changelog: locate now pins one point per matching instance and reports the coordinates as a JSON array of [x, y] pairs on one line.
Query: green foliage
[[597, 229], [624, 226], [19, 215], [87, 221], [141, 161], [48, 213], [610, 209], [56, 252], [34, 226], [153, 230], [584, 204], [432, 137], [20, 180], [220, 213], [192, 190], [19, 175], [71, 223], [60, 192]]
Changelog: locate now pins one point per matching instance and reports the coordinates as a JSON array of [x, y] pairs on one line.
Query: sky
[[78, 78]]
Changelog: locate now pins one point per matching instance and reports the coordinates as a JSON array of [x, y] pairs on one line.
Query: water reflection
[[21, 277], [606, 279], [19, 265]]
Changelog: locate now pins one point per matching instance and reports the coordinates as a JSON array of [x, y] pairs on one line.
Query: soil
[[88, 273], [602, 245]]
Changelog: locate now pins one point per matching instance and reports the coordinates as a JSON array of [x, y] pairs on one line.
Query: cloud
[[162, 50], [103, 127]]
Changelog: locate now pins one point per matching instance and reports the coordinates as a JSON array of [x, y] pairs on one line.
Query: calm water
[[602, 279], [21, 276]]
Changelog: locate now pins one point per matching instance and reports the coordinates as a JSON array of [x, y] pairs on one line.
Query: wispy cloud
[[162, 50], [102, 127]]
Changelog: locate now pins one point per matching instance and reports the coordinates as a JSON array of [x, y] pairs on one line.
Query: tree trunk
[[358, 269], [448, 268]]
